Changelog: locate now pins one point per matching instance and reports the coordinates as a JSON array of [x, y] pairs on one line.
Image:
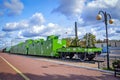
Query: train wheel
[[81, 56], [71, 56], [62, 55], [91, 56]]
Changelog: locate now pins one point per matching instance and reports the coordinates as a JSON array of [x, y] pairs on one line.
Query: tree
[[75, 42], [90, 40], [72, 42], [69, 40]]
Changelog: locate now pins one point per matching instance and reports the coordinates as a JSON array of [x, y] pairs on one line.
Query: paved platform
[[7, 73], [36, 69]]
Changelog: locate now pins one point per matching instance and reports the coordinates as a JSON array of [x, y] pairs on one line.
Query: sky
[[33, 19]]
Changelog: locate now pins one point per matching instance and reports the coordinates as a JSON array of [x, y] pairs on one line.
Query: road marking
[[18, 71]]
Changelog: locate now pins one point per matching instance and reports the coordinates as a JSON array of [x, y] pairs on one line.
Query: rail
[[99, 62]]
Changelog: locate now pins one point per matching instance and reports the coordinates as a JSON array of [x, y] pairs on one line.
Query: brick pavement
[[37, 69], [7, 73]]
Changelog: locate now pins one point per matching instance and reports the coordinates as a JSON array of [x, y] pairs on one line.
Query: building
[[114, 46]]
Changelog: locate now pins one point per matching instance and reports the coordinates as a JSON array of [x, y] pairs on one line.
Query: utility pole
[[76, 35]]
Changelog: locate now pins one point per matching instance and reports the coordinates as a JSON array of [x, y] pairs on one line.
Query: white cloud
[[48, 29], [13, 7], [41, 30], [102, 3], [70, 7], [93, 31], [2, 34], [36, 19], [91, 9], [13, 26], [33, 31], [85, 13], [30, 27], [19, 36]]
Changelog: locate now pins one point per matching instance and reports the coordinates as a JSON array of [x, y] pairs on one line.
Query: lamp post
[[106, 16]]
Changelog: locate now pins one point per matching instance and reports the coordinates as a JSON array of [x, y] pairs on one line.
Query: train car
[[40, 47], [48, 47], [54, 47], [7, 49], [19, 48], [80, 53]]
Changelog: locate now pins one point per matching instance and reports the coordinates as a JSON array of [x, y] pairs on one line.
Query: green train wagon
[[40, 47], [48, 47], [81, 53]]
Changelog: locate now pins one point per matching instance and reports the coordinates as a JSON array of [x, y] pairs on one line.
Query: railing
[[116, 68]]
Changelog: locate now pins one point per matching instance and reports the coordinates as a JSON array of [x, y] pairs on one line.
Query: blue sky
[[33, 19]]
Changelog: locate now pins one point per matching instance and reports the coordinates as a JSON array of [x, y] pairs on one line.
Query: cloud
[[13, 26], [30, 27], [36, 19], [85, 11], [70, 7], [33, 31], [41, 30], [82, 10], [48, 29], [2, 34], [11, 7], [90, 11]]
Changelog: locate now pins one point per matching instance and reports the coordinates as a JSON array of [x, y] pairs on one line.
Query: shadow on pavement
[[9, 76]]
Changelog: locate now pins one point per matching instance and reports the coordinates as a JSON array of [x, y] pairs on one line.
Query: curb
[[106, 71]]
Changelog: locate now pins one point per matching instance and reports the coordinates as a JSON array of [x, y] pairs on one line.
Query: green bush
[[116, 64], [110, 69]]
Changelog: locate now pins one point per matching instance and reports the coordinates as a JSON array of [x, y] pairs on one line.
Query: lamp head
[[111, 21], [99, 17]]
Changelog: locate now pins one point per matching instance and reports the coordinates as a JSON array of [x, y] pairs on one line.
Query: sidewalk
[[46, 69]]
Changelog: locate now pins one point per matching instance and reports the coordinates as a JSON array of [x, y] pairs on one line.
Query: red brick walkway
[[42, 70], [7, 73]]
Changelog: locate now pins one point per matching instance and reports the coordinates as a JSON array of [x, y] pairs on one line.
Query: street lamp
[[106, 16]]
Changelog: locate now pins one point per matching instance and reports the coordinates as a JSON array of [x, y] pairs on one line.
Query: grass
[[110, 69]]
